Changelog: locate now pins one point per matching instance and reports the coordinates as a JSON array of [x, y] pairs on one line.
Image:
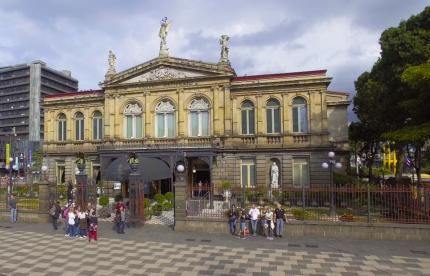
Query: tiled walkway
[[25, 252]]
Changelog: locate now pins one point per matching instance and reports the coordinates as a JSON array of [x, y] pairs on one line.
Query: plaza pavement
[[36, 249]]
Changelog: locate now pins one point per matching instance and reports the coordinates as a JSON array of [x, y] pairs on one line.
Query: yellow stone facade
[[181, 81]]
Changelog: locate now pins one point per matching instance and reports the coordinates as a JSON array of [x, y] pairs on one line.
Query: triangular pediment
[[165, 73], [165, 69]]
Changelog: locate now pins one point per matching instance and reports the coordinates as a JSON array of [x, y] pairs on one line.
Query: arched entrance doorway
[[199, 185]]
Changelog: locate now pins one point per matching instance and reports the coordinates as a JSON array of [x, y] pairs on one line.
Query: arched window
[[272, 116], [97, 125], [248, 120], [79, 126], [300, 115], [199, 117], [165, 119], [62, 127], [133, 121]]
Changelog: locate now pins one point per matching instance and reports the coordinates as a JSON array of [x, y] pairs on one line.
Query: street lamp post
[[10, 176], [329, 165]]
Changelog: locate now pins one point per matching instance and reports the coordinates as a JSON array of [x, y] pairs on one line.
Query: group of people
[[271, 221], [78, 222]]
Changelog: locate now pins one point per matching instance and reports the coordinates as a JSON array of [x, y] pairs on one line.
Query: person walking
[[92, 233], [55, 214], [242, 221], [280, 219], [120, 220], [254, 213], [65, 215], [232, 219], [12, 206]]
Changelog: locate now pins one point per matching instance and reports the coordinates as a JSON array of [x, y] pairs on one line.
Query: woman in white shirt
[[269, 223], [71, 227]]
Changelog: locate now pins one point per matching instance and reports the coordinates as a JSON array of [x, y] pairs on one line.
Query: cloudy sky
[[266, 36]]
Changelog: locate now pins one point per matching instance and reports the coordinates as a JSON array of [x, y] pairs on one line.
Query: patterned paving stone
[[29, 253]]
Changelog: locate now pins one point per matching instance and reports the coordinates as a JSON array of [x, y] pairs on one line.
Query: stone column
[[136, 197], [44, 204], [82, 187]]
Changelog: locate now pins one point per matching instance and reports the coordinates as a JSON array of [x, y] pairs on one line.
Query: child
[[93, 226]]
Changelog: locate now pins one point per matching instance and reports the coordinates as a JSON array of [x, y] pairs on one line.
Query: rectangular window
[[170, 125], [204, 123], [277, 123], [97, 128], [301, 172], [303, 119], [160, 125], [79, 130], [269, 116], [138, 127], [295, 119], [244, 122], [251, 122], [194, 118], [247, 173], [129, 127]]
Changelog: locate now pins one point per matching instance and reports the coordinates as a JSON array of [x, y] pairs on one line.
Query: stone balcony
[[242, 141]]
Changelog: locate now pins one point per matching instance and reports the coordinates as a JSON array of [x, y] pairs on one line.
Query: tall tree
[[398, 105]]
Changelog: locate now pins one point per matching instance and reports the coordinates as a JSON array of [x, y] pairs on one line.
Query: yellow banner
[[7, 154]]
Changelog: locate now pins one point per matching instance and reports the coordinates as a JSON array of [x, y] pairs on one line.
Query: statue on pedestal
[[164, 30], [224, 48], [112, 65], [274, 173]]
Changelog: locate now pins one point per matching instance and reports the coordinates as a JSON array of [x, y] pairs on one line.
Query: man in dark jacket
[[55, 214]]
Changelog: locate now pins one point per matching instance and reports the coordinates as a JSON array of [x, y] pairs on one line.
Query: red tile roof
[[338, 92], [79, 93], [281, 75]]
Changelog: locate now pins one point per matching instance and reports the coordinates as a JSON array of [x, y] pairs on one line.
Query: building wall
[[225, 96]]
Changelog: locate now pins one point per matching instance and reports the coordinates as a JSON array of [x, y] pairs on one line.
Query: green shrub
[[167, 206], [104, 200], [226, 185], [169, 196], [146, 202], [157, 209], [159, 198]]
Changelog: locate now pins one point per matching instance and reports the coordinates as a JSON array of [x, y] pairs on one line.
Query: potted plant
[[226, 186]]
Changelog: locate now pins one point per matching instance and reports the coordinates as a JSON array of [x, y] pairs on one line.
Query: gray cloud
[[266, 36]]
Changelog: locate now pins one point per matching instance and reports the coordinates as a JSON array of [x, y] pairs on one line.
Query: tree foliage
[[392, 99]]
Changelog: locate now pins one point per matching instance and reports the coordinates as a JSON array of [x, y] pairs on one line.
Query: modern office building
[[21, 89]]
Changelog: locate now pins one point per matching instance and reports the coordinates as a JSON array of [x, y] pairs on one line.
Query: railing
[[27, 198], [408, 205]]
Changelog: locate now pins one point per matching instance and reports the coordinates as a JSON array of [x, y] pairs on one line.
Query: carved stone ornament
[[132, 109], [199, 104], [164, 30], [164, 73], [164, 106]]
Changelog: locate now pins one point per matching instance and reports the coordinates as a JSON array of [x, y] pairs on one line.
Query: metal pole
[[333, 212]]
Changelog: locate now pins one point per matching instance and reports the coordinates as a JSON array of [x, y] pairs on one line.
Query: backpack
[[66, 213]]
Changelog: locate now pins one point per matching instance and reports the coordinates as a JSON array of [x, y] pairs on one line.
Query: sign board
[[117, 185]]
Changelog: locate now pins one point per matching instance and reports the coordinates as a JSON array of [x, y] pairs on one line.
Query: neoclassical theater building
[[223, 127]]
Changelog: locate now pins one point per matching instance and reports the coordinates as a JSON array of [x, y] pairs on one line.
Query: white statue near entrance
[[164, 30], [274, 173]]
